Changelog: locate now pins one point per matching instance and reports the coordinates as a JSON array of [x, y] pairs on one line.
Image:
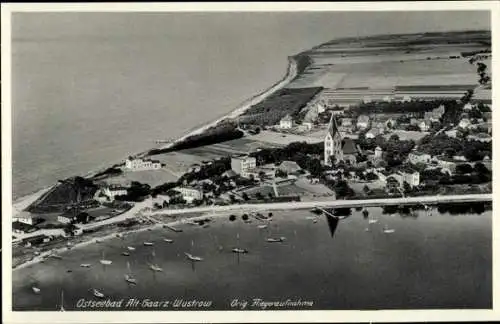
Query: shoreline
[[292, 71], [100, 239]]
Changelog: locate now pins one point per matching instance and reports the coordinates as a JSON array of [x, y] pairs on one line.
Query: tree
[[232, 198], [82, 218], [232, 218], [245, 196], [259, 196], [406, 187], [244, 217], [270, 195], [464, 168], [366, 189]]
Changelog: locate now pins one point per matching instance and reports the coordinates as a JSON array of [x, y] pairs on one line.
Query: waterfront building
[[242, 164], [286, 122], [65, 219], [412, 178], [138, 164], [378, 153], [419, 157], [21, 228], [307, 125], [189, 194], [464, 123], [424, 125]]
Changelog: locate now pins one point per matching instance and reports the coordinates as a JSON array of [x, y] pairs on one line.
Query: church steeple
[[332, 126]]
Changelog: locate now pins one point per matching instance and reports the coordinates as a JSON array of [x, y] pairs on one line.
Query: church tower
[[333, 143]]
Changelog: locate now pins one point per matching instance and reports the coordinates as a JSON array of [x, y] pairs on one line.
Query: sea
[[89, 89], [422, 260]]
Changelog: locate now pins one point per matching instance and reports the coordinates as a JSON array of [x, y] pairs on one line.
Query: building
[[435, 114], [468, 106], [286, 122], [363, 122], [65, 218], [346, 122], [349, 151], [289, 167], [242, 164], [445, 163], [412, 178], [373, 132], [114, 190], [391, 123], [24, 217], [378, 153], [424, 125], [138, 164], [419, 157], [333, 143], [480, 137], [22, 228], [189, 194], [36, 240], [308, 125], [414, 121], [464, 123], [230, 174]]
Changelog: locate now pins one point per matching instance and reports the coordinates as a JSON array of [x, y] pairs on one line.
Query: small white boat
[[125, 253], [273, 240], [148, 243], [238, 250], [262, 226], [177, 230], [130, 248], [104, 261], [388, 230], [192, 257], [168, 240], [85, 265], [97, 293], [36, 290], [155, 268], [130, 279], [311, 217], [315, 220], [372, 221]]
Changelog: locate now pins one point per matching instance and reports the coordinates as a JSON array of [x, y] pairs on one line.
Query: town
[[320, 138]]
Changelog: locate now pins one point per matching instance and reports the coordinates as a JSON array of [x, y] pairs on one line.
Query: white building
[[373, 132], [333, 143], [286, 122], [242, 165], [378, 153], [189, 194], [424, 125], [363, 122], [23, 217], [138, 164], [464, 123], [468, 106], [308, 125], [412, 178], [65, 219], [419, 157], [113, 191]]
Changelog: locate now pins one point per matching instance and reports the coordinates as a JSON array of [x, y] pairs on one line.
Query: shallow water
[[438, 261]]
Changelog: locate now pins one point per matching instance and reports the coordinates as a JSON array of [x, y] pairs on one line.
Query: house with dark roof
[[289, 167], [349, 151]]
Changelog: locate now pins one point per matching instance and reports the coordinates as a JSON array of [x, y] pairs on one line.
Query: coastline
[[292, 70]]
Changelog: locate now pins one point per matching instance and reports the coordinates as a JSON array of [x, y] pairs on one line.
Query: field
[[281, 139], [150, 177]]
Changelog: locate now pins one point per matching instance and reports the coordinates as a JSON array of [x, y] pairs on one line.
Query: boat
[[128, 277], [130, 248], [238, 250], [103, 261], [311, 217], [372, 221], [148, 243], [273, 240], [85, 265], [61, 308], [262, 226], [36, 290], [168, 240], [388, 230], [69, 271], [154, 266], [192, 257], [315, 220], [125, 253], [97, 293]]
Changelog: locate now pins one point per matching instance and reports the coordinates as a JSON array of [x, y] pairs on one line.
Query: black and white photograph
[[248, 160]]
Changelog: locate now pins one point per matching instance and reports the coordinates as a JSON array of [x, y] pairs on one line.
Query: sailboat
[[125, 253], [85, 265], [154, 266], [148, 243], [262, 226], [168, 240], [238, 249], [192, 257], [36, 290], [61, 308], [274, 239], [103, 261], [128, 277], [130, 248], [97, 293]]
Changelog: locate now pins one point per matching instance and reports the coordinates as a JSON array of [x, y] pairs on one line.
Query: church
[[336, 147]]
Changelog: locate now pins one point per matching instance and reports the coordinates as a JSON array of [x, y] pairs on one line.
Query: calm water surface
[[438, 261]]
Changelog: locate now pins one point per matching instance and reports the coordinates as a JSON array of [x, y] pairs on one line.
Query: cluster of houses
[[139, 164]]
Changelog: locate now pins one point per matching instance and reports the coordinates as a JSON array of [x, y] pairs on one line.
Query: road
[[278, 206]]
